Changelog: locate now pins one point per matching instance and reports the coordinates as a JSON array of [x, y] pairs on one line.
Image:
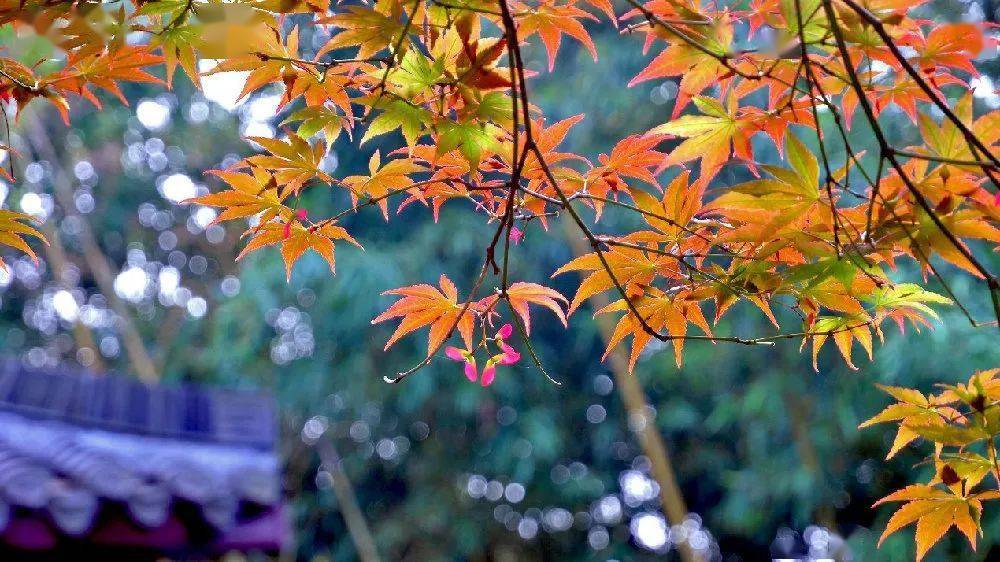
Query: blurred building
[[108, 468]]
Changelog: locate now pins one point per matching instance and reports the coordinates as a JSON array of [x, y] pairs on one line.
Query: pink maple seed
[[489, 373], [456, 354], [505, 331], [510, 355], [472, 375]]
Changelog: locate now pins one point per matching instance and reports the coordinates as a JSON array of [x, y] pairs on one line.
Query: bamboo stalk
[[55, 256], [97, 262], [357, 526], [636, 407], [798, 419]]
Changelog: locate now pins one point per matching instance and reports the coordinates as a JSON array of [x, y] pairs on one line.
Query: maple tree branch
[[476, 9], [886, 148], [943, 160], [724, 59], [675, 21], [611, 241], [510, 29], [531, 146], [879, 28], [324, 65], [19, 83], [813, 81], [918, 248], [876, 189], [672, 28], [389, 194], [580, 195], [810, 80]]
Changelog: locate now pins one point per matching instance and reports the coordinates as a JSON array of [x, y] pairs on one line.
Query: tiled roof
[[115, 461]]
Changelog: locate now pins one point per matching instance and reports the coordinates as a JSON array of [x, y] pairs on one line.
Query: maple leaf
[[948, 434], [905, 301], [271, 60], [748, 280], [660, 312], [912, 409], [946, 140], [383, 181], [295, 238], [814, 26], [935, 511], [775, 122], [84, 31], [250, 194], [397, 114], [19, 83], [633, 157], [177, 38], [982, 390], [951, 44], [521, 294], [320, 89], [920, 237], [634, 269], [103, 70], [13, 231], [475, 64], [313, 120], [787, 201], [844, 330], [494, 107], [551, 22], [293, 161], [370, 29], [473, 139], [177, 48], [698, 68], [416, 75], [672, 213], [710, 137], [447, 180], [606, 7], [547, 140], [969, 468], [902, 90], [422, 305]]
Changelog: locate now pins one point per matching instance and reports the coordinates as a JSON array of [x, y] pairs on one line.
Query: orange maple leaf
[[424, 305]]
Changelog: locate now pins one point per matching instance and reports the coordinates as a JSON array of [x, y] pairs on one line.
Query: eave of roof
[[81, 454]]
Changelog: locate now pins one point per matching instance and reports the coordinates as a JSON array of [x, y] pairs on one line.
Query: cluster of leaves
[[963, 423], [818, 237]]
